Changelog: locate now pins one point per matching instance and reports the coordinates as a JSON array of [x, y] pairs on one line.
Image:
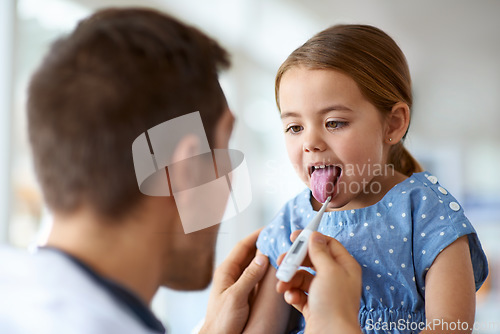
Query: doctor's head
[[119, 73]]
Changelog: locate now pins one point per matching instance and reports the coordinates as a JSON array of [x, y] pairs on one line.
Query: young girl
[[345, 101]]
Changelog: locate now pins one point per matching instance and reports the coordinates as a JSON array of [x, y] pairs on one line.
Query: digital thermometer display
[[298, 247]]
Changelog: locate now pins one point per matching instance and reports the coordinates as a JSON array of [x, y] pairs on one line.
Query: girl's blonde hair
[[373, 60]]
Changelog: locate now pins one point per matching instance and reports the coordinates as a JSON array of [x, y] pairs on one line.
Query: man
[[121, 72]]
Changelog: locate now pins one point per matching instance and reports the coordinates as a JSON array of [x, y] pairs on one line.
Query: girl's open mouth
[[324, 180]]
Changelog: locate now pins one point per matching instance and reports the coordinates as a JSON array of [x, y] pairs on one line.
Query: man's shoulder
[[47, 293]]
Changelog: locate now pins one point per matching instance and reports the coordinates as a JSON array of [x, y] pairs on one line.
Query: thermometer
[[293, 259]]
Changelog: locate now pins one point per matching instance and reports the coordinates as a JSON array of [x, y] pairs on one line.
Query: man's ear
[[182, 172], [397, 123], [187, 147]]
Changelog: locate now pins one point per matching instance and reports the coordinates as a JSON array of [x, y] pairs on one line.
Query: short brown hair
[[119, 73], [373, 60]]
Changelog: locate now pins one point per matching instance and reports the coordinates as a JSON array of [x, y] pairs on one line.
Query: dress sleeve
[[274, 239], [439, 220]]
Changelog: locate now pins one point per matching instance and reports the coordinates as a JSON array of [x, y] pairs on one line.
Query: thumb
[[251, 275], [319, 253]]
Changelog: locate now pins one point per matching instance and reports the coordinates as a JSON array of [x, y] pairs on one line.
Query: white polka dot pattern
[[394, 240]]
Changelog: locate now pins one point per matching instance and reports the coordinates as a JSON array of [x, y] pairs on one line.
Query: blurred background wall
[[453, 49]]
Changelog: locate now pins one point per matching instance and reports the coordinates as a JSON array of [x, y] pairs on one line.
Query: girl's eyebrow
[[333, 108], [289, 114], [321, 112]]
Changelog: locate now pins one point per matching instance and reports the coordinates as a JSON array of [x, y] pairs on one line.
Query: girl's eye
[[335, 124], [294, 129]]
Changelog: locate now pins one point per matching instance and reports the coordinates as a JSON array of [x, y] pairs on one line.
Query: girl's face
[[327, 121]]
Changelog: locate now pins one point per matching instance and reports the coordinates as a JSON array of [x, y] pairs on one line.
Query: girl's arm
[[450, 293], [269, 313]]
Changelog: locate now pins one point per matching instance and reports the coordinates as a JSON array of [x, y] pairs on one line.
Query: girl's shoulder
[[438, 220], [419, 200], [421, 189]]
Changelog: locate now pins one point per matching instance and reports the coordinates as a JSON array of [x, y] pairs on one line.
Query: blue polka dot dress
[[395, 241]]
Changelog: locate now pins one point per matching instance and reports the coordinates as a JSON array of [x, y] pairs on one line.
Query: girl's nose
[[313, 142]]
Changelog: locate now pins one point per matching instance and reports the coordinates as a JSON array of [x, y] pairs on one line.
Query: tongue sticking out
[[323, 181]]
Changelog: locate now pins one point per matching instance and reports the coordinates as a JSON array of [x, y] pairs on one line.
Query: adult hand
[[233, 284], [332, 302]]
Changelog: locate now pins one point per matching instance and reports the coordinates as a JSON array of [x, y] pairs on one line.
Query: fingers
[[294, 235], [319, 251], [301, 280], [295, 290], [329, 254], [280, 259], [239, 271], [252, 275], [296, 298], [236, 262]]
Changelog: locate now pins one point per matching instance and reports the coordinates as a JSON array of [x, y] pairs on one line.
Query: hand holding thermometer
[[293, 259]]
